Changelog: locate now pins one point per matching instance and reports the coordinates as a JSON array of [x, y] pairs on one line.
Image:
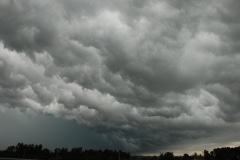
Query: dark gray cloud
[[150, 75], [47, 130]]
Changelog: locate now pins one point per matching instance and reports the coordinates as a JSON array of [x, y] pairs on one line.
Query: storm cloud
[[149, 75]]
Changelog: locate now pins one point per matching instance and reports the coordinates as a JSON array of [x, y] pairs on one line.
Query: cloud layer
[[150, 75]]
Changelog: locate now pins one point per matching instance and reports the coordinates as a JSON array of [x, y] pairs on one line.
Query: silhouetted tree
[[161, 156], [186, 157], [168, 156], [207, 155]]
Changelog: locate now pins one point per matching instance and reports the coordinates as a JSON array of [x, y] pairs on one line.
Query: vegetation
[[31, 151]]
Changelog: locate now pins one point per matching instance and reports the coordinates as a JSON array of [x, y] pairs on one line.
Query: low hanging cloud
[[150, 75]]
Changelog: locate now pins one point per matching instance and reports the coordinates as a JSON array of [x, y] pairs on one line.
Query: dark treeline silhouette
[[225, 153], [31, 151], [169, 156]]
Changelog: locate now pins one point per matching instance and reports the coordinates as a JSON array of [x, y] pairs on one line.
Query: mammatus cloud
[[150, 75]]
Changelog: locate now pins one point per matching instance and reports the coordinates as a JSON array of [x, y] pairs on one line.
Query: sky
[[144, 76]]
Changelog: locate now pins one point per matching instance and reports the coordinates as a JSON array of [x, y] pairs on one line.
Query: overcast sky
[[145, 76]]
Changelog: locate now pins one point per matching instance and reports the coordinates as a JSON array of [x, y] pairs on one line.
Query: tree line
[[31, 151], [225, 153]]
